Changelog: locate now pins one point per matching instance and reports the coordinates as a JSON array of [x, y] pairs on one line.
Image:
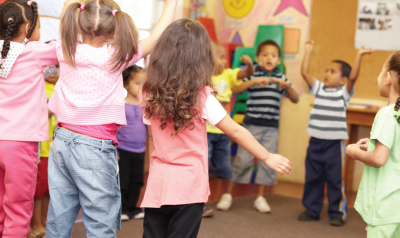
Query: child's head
[[133, 80], [268, 55], [18, 19], [101, 21], [219, 57], [181, 64], [337, 74], [389, 78]]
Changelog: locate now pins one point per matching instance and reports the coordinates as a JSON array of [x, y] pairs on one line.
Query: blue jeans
[[83, 173], [219, 154]]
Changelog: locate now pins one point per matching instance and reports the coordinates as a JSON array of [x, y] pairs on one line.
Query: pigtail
[[397, 106], [7, 40], [126, 40], [69, 33], [34, 20]]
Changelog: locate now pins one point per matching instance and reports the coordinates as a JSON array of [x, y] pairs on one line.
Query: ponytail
[[125, 41], [69, 33], [34, 19], [7, 41]]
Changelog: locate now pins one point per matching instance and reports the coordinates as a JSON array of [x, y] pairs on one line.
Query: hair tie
[[10, 19], [114, 12], [25, 41], [29, 3], [2, 61], [82, 7]]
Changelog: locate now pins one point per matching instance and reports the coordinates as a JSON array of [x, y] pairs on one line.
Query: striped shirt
[[328, 115], [264, 101]]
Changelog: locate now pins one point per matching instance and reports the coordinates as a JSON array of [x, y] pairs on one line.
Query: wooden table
[[355, 118]]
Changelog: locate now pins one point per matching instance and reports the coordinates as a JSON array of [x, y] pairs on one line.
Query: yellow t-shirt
[[45, 146], [222, 85]]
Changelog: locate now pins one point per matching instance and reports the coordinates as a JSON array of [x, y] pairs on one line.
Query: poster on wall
[[378, 24]]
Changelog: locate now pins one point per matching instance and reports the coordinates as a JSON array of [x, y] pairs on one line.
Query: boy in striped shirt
[[262, 120], [328, 130]]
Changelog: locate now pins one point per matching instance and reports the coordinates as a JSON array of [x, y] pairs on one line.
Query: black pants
[[173, 221], [131, 167], [324, 162]]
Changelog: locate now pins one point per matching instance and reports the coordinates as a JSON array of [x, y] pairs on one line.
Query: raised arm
[[356, 68], [249, 143], [309, 46], [166, 18], [377, 157], [249, 71]]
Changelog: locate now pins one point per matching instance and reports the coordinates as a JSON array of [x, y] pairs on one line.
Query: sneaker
[[305, 216], [124, 217], [225, 203], [139, 216], [261, 205], [336, 221], [208, 213]]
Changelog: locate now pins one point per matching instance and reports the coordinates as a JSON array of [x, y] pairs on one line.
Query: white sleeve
[[213, 111]]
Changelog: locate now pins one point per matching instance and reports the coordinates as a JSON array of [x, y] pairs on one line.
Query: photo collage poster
[[378, 25]]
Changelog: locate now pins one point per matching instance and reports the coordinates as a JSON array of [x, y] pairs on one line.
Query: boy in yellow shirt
[[219, 144]]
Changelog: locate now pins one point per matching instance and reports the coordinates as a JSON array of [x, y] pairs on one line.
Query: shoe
[[336, 221], [225, 203], [124, 217], [261, 205], [305, 216], [208, 213], [139, 216]]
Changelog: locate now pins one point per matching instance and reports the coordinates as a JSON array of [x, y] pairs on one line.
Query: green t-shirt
[[378, 198]]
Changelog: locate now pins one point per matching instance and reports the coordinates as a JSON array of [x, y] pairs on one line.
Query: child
[[89, 104], [219, 144], [262, 120], [328, 130], [177, 102], [132, 139], [379, 192], [23, 112], [41, 202]]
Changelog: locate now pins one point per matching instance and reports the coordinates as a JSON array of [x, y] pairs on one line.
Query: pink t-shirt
[[90, 94], [179, 164], [102, 132], [23, 101]]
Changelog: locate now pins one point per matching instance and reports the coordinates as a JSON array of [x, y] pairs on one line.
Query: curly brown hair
[[181, 65]]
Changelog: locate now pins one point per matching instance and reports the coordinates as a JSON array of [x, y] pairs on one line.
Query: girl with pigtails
[[88, 101], [23, 111], [379, 192]]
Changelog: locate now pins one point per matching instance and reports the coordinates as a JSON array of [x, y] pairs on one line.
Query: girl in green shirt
[[378, 198]]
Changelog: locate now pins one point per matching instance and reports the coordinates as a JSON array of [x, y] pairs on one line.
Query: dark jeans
[[219, 154], [131, 167], [173, 221]]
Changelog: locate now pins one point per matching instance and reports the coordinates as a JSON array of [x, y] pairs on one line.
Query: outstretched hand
[[246, 60], [309, 46], [363, 51], [278, 163]]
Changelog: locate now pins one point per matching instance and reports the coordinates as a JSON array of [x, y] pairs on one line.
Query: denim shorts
[[83, 173], [219, 154]]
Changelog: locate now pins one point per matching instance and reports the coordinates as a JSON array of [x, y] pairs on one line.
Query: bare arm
[[356, 68], [249, 71], [377, 157], [249, 143], [166, 18], [151, 142], [263, 81], [292, 94], [306, 63]]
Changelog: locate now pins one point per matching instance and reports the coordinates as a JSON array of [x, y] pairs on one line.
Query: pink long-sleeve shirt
[[23, 103]]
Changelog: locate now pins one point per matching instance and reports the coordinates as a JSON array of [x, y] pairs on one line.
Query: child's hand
[[363, 51], [309, 46], [173, 2], [278, 163], [263, 81], [246, 60], [363, 144], [351, 150], [282, 84]]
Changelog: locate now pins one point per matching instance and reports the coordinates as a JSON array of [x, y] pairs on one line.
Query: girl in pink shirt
[[23, 112], [88, 101], [177, 102]]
